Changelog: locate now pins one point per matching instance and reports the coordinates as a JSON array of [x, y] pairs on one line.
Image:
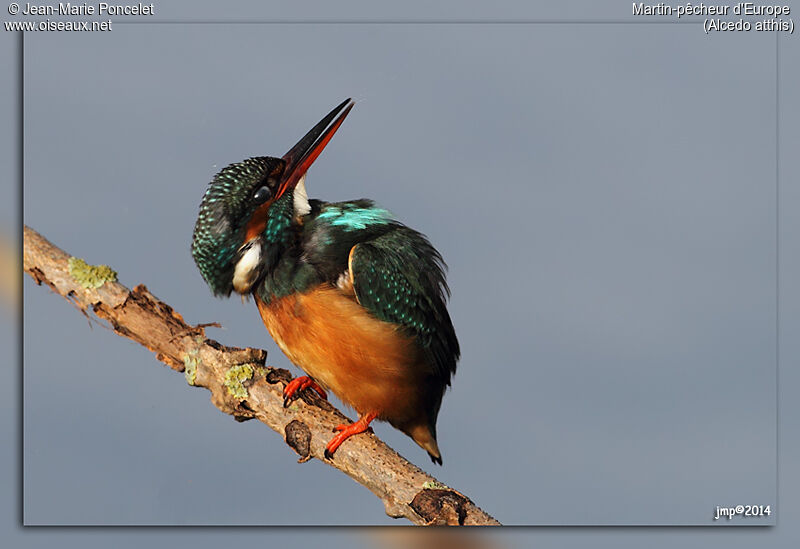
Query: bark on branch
[[242, 386]]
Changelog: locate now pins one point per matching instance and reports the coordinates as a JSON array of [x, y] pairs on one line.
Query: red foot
[[292, 390], [346, 431]]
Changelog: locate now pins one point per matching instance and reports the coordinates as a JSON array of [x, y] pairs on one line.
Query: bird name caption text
[[742, 16], [72, 10]]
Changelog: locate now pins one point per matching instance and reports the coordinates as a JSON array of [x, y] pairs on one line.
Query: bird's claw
[[346, 431], [298, 384]]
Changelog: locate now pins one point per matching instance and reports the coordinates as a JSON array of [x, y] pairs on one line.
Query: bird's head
[[248, 211]]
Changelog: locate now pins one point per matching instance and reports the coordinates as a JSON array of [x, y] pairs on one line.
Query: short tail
[[426, 438]]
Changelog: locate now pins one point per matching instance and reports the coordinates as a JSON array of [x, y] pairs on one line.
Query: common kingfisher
[[352, 296]]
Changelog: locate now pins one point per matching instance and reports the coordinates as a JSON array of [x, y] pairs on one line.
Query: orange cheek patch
[[258, 222]]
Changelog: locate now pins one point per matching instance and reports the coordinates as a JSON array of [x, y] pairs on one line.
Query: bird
[[352, 296]]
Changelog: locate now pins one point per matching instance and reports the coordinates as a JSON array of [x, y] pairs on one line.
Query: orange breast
[[369, 364]]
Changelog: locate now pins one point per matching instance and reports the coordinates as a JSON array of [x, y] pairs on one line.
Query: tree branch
[[243, 387]]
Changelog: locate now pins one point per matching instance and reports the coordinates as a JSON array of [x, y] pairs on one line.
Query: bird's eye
[[262, 195]]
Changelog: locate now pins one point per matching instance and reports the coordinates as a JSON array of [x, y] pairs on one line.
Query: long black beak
[[301, 156]]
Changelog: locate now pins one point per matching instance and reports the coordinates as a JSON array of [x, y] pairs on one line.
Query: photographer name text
[[101, 8]]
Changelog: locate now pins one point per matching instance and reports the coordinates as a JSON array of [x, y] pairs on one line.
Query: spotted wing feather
[[399, 277]]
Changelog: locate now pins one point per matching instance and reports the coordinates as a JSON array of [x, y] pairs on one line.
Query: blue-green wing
[[399, 277]]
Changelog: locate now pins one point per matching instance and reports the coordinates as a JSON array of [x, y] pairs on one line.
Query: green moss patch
[[90, 276], [235, 378], [190, 369]]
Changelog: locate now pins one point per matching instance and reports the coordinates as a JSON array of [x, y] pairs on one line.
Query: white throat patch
[[247, 267], [301, 205]]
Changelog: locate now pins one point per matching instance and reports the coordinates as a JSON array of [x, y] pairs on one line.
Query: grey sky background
[[603, 194]]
